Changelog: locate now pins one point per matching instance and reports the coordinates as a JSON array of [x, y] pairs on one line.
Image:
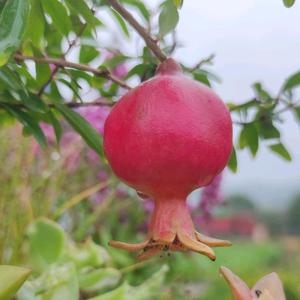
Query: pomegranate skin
[[165, 138], [168, 136]]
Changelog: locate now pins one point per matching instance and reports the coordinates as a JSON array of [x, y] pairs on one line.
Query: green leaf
[[82, 9], [148, 57], [243, 106], [87, 255], [87, 54], [289, 3], [149, 289], [232, 163], [297, 112], [281, 150], [56, 125], [144, 71], [168, 18], [13, 20], [11, 79], [34, 103], [99, 279], [6, 119], [139, 6], [77, 74], [58, 282], [43, 71], [121, 22], [59, 15], [178, 3], [268, 131], [114, 61], [249, 138], [262, 95], [202, 77], [292, 82], [72, 85], [29, 123], [79, 124], [35, 28], [11, 279], [47, 242]]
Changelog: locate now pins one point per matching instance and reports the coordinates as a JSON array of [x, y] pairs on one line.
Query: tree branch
[[69, 104], [61, 63], [55, 70], [150, 42]]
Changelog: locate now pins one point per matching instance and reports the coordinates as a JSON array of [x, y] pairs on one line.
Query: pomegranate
[[165, 138]]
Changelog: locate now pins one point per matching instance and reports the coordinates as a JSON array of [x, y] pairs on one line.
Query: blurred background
[[257, 208]]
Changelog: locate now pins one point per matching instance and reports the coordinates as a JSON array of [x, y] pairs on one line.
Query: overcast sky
[[254, 40]]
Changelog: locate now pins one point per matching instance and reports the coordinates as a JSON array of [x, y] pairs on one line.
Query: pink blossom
[[95, 115], [119, 71]]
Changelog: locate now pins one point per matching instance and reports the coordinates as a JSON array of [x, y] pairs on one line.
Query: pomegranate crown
[[167, 67]]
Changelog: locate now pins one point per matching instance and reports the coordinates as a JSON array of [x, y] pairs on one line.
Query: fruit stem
[[169, 216], [168, 67]]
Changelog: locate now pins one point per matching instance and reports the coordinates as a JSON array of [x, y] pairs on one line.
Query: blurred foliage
[[240, 203], [289, 3], [11, 279], [64, 270], [293, 216]]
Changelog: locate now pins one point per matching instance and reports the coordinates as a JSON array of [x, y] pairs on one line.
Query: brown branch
[[150, 41], [69, 104], [86, 104], [61, 63]]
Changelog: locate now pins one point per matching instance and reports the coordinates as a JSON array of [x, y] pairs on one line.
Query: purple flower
[[211, 196], [96, 116]]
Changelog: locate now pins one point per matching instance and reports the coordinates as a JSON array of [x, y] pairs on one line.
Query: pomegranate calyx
[[182, 242], [172, 229]]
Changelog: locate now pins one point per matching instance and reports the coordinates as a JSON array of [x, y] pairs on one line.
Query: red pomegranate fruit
[[166, 138]]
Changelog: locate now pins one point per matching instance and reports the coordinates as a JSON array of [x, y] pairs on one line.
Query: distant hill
[[267, 195]]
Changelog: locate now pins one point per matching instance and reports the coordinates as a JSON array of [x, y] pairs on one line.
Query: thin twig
[[270, 117], [204, 61], [174, 44], [80, 197], [135, 266], [150, 41], [56, 68], [61, 63]]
